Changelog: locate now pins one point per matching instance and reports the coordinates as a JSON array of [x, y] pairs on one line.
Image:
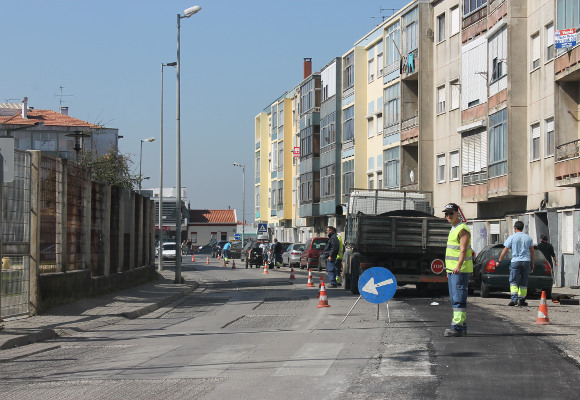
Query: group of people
[[459, 265]]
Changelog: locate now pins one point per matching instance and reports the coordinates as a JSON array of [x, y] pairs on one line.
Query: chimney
[[64, 110], [307, 67], [25, 108]]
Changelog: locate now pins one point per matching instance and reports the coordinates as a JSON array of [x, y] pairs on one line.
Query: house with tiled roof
[[205, 226], [54, 133]]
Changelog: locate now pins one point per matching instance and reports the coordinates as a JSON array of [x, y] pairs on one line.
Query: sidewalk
[[94, 312]]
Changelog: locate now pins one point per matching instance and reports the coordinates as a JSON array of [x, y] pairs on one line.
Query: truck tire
[[354, 272], [484, 290]]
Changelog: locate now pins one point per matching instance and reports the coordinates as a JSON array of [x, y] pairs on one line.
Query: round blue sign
[[377, 285]]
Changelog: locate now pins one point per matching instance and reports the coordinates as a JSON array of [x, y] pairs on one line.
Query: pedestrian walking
[[459, 265], [521, 265], [277, 253], [330, 252], [548, 251]]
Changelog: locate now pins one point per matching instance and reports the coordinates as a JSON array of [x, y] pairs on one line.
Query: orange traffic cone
[[192, 257], [266, 267], [218, 257], [319, 286], [543, 311], [310, 284], [233, 264], [207, 260], [323, 298], [292, 273]]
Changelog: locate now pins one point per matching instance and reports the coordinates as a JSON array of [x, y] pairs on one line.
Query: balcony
[[409, 65], [567, 166]]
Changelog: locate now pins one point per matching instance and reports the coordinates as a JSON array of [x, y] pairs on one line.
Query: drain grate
[[262, 322]]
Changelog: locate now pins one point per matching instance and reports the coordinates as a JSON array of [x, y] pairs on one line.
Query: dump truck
[[396, 230]]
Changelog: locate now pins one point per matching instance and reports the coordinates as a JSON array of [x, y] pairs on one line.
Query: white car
[[169, 251]]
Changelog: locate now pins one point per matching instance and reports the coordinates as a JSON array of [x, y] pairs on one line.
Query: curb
[[69, 329]]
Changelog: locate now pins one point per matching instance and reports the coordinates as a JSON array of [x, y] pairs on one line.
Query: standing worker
[[338, 265], [548, 251], [331, 251], [522, 263], [459, 265], [226, 250]]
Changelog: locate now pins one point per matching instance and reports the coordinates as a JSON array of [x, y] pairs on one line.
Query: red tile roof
[[47, 117], [212, 217]]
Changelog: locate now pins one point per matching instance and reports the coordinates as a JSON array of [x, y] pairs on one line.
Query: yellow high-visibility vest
[[454, 250]]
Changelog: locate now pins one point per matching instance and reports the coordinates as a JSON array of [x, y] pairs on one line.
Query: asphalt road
[[246, 335]]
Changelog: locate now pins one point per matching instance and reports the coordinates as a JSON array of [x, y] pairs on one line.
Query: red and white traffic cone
[[207, 260], [218, 257], [192, 257], [266, 267], [292, 273], [322, 298], [233, 264], [310, 284], [319, 286], [543, 311]]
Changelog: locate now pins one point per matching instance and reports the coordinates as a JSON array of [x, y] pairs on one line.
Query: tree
[[112, 168]]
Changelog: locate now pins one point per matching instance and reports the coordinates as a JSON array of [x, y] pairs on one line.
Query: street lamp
[[171, 64], [79, 137], [243, 167], [186, 14], [151, 139]]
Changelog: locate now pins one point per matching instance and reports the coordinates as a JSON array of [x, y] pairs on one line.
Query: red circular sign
[[437, 266]]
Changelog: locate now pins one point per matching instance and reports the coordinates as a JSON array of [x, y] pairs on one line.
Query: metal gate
[[15, 232]]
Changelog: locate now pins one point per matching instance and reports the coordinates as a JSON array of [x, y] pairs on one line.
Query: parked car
[[205, 249], [311, 253], [235, 250], [170, 251], [271, 257], [255, 257], [291, 257], [489, 275]]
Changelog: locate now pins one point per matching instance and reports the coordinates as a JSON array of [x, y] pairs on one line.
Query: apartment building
[[477, 101]]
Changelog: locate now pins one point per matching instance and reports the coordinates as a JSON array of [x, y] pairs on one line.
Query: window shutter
[[535, 131], [455, 20], [535, 48], [550, 35], [550, 125], [483, 152]]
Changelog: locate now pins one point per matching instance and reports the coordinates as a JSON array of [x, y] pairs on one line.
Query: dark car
[[489, 275], [255, 257], [291, 256], [235, 250], [311, 253], [246, 250], [271, 256]]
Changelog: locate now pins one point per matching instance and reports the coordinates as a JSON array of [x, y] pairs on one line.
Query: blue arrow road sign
[[237, 236], [262, 228], [377, 285]]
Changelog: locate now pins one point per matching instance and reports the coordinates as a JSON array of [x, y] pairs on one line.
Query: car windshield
[[169, 246], [298, 247], [318, 244]]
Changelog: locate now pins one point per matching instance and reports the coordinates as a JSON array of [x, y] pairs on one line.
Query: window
[[380, 59], [347, 176], [454, 21], [274, 157], [370, 127], [470, 6], [474, 157], [193, 237], [310, 141], [348, 72], [441, 168], [348, 125], [549, 129], [535, 142], [371, 70], [391, 157], [568, 15], [307, 96], [257, 169], [280, 156], [410, 28], [549, 42], [391, 106], [328, 133], [441, 28], [454, 165], [441, 99], [258, 199], [224, 236], [497, 56], [568, 232], [474, 88], [498, 143], [392, 48], [309, 187], [327, 181], [328, 81], [455, 94], [379, 124], [371, 182], [535, 51], [379, 180], [280, 195]]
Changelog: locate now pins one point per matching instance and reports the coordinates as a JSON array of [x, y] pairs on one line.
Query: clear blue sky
[[236, 57]]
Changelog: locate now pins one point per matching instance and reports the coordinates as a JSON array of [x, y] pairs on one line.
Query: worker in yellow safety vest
[[459, 265], [338, 265]]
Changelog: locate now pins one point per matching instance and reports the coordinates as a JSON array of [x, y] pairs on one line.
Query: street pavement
[[234, 336]]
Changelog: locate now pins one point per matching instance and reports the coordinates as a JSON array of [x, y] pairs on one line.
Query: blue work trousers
[[331, 270], [519, 272], [458, 287]]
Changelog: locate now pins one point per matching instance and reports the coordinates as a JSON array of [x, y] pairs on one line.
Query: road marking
[[312, 359], [371, 286]]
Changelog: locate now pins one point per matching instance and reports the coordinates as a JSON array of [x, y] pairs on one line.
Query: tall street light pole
[[186, 14], [160, 259], [243, 167], [151, 139]]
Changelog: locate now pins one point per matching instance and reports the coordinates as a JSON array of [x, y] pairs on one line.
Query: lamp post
[[243, 167], [151, 139], [171, 64], [79, 137], [186, 14]]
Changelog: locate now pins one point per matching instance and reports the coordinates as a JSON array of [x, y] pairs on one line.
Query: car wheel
[[484, 290]]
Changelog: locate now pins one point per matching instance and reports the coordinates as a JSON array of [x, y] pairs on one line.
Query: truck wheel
[[354, 272], [484, 290]]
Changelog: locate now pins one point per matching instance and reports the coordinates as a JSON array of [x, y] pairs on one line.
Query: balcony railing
[[474, 178], [410, 123], [568, 150]]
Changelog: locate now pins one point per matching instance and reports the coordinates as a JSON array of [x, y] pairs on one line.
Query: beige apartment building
[[477, 101]]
